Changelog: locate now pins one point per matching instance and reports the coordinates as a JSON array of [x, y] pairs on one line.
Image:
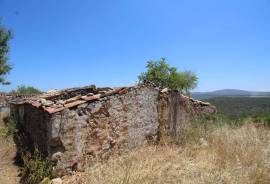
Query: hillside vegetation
[[26, 90], [239, 107], [229, 93]]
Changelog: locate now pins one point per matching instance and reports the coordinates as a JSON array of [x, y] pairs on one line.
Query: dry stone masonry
[[78, 126]]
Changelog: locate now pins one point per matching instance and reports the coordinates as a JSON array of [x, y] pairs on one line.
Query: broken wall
[[94, 131]]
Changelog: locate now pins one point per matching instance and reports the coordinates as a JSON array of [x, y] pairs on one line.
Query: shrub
[[263, 118], [35, 168], [27, 90], [163, 75], [9, 127]]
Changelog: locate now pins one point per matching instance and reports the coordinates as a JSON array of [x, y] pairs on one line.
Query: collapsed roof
[[56, 101]]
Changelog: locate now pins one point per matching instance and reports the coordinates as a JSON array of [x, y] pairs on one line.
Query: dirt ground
[[8, 170]]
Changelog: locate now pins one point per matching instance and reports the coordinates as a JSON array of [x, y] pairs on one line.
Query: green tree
[[163, 75], [27, 90], [5, 67]]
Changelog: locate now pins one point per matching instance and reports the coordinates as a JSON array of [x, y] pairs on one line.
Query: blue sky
[[66, 43]]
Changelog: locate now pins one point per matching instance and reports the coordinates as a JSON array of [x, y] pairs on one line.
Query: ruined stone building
[[76, 126]]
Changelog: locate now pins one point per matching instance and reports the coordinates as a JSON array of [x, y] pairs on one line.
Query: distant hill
[[236, 107], [229, 93]]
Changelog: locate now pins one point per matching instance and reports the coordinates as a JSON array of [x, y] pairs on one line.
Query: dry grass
[[223, 155]]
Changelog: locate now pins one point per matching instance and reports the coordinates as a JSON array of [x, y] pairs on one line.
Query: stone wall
[[175, 111], [33, 123], [94, 130], [98, 129]]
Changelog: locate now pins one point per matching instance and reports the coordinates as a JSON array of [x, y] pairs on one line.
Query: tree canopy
[[5, 67], [27, 90], [163, 75]]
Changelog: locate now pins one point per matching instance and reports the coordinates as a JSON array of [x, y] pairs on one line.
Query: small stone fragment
[[165, 90], [46, 102], [42, 101], [45, 181], [57, 156], [61, 102], [57, 181]]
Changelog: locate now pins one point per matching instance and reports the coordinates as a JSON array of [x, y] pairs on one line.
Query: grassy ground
[[8, 170], [202, 155], [205, 153]]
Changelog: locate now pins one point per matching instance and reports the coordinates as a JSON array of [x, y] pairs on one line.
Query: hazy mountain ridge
[[229, 93]]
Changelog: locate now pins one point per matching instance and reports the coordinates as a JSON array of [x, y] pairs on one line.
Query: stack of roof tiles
[[55, 101]]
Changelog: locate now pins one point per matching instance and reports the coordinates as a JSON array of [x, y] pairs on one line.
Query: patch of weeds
[[35, 167], [9, 127], [3, 132], [263, 118]]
